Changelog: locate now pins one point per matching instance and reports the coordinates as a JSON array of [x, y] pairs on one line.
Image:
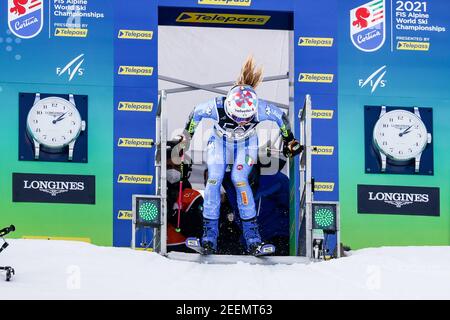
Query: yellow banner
[[71, 32], [239, 3], [413, 46], [135, 179], [135, 143], [322, 114], [135, 106], [315, 42], [135, 34], [136, 71], [125, 215], [324, 186], [316, 77], [323, 150], [222, 18]]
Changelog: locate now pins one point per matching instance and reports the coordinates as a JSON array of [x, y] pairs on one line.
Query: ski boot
[[210, 233], [255, 246]]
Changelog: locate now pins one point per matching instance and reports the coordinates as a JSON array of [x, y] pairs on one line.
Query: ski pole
[[180, 192]]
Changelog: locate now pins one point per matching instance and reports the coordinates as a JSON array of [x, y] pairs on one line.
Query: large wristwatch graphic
[[54, 124], [400, 137]]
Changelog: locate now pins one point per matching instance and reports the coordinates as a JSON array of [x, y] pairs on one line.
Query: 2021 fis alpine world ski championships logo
[[368, 25], [25, 17]]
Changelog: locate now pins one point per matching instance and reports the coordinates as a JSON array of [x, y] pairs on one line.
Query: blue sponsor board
[[135, 103]]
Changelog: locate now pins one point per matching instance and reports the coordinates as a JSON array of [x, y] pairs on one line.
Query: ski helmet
[[241, 104]]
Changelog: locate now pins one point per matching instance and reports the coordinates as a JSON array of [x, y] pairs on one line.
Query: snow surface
[[75, 270]]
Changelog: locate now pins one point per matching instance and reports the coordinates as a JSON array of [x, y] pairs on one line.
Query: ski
[[195, 244], [264, 250], [260, 251]]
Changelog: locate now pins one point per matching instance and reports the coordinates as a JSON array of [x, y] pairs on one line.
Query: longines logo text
[[398, 199], [402, 200], [54, 187]]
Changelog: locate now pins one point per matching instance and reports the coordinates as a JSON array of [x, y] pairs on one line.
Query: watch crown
[[83, 125], [429, 138]]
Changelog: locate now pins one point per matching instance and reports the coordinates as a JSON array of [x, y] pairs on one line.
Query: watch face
[[400, 135], [54, 122]]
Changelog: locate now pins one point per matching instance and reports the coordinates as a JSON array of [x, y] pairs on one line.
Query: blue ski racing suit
[[234, 146]]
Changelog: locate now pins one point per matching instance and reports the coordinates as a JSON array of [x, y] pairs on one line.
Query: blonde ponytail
[[250, 75]]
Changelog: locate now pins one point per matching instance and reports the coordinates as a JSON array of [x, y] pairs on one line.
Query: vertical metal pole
[[157, 233], [308, 184], [294, 217], [338, 231], [133, 225], [302, 187], [163, 175]]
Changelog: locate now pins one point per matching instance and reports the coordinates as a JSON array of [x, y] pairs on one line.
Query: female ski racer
[[234, 136]]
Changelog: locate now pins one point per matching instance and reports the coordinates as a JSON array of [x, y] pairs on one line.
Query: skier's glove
[[292, 148]]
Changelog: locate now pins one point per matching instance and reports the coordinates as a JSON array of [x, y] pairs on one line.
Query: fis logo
[[316, 77], [25, 17], [368, 26], [240, 3], [135, 34], [135, 106], [135, 143], [222, 18], [315, 42], [73, 68], [135, 179], [136, 71], [375, 80]]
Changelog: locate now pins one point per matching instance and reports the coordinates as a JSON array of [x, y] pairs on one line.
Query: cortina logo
[[398, 199], [54, 187], [375, 80], [25, 17], [368, 26], [72, 72]]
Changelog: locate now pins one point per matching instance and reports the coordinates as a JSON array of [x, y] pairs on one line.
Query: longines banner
[[420, 201], [53, 188]]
